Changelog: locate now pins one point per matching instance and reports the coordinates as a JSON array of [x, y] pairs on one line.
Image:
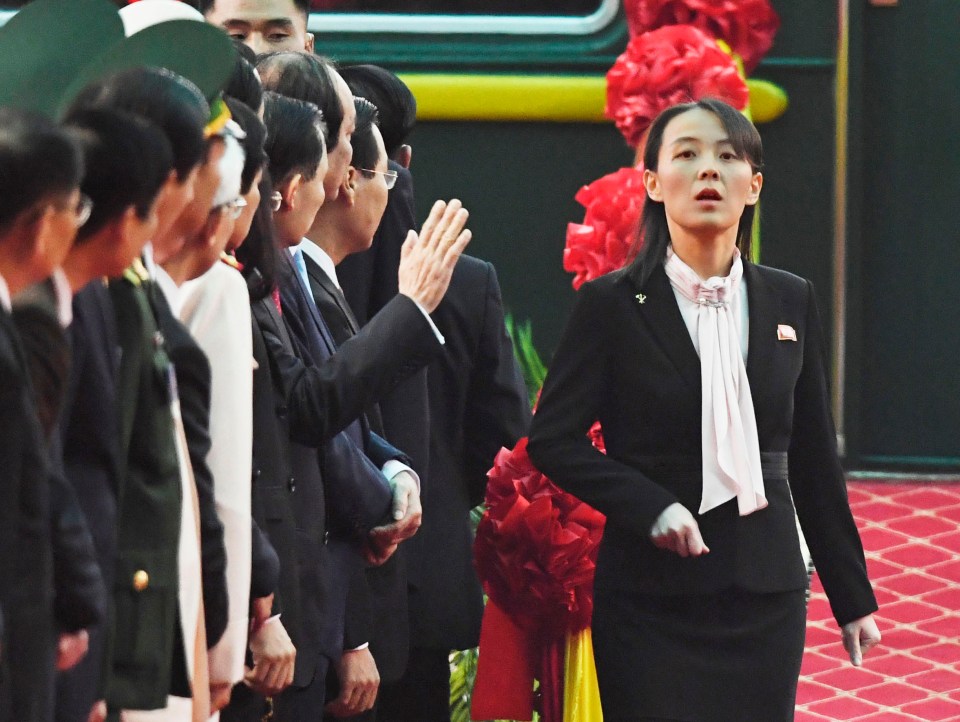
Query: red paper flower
[[675, 64], [747, 26], [536, 547], [602, 242]]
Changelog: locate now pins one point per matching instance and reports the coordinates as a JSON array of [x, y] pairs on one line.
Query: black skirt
[[733, 656]]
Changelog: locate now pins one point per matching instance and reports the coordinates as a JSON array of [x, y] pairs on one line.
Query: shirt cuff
[[433, 326], [357, 649], [394, 467]]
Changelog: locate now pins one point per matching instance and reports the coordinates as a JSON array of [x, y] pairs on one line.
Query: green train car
[[862, 176]]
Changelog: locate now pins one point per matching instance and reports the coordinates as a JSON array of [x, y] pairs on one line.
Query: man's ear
[[348, 189], [308, 45], [756, 183], [289, 190], [652, 183], [404, 155]]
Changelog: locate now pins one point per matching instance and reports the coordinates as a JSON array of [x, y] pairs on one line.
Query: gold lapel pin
[[641, 298]]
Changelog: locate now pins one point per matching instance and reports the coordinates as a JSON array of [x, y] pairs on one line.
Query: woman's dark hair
[[397, 106], [259, 252], [365, 151], [255, 155], [653, 235], [174, 104], [127, 158], [294, 137], [244, 85], [305, 77], [37, 159]]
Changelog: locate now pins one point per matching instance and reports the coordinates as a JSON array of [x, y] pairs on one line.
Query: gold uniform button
[[141, 580]]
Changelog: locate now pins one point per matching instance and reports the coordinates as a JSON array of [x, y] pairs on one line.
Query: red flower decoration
[[675, 64], [602, 242], [536, 547], [747, 26]]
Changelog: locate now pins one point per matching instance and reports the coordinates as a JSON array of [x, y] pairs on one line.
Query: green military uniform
[[144, 603]]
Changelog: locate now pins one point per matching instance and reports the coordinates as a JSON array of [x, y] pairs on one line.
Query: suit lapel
[[330, 288], [764, 313], [656, 304]]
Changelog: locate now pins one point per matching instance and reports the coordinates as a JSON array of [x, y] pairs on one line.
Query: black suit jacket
[[26, 556], [366, 365], [89, 440], [478, 404], [632, 365], [377, 597], [315, 403]]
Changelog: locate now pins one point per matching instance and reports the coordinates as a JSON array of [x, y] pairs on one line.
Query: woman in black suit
[[713, 402]]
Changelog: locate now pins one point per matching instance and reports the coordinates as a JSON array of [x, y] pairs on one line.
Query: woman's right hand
[[677, 531]]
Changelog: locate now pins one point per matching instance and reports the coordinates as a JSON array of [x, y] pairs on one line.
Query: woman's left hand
[[859, 636]]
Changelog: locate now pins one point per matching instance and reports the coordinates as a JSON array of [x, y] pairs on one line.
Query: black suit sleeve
[[569, 404], [497, 411], [380, 451], [819, 487], [358, 620], [323, 399], [80, 596], [265, 564]]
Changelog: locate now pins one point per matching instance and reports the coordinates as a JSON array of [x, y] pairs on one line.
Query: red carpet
[[911, 533]]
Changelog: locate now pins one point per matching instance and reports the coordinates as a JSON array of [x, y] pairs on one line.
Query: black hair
[[244, 85], [127, 158], [365, 151], [254, 154], [205, 6], [305, 76], [653, 235], [168, 100], [397, 106], [294, 137], [259, 252], [37, 159]]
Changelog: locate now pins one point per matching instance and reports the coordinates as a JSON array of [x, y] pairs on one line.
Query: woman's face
[[242, 225], [703, 184], [370, 199]]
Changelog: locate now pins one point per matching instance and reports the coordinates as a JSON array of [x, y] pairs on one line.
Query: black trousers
[[422, 694]]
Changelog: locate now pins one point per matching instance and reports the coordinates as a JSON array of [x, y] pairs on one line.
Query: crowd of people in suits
[[239, 443]]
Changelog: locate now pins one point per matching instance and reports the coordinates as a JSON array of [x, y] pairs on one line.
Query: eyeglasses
[[389, 176], [275, 201], [235, 207]]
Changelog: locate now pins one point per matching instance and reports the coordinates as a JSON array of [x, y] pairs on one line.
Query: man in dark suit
[[41, 170], [477, 403], [123, 182], [375, 645]]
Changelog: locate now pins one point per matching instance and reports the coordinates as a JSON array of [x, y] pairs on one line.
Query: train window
[[461, 7], [512, 17]]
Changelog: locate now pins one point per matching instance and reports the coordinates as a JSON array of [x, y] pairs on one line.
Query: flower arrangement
[[603, 241], [536, 553], [674, 64], [747, 26]]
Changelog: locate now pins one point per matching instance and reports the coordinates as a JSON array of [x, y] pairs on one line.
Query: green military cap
[[199, 52], [42, 46]]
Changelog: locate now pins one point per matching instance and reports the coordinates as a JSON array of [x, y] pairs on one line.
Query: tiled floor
[[911, 534]]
